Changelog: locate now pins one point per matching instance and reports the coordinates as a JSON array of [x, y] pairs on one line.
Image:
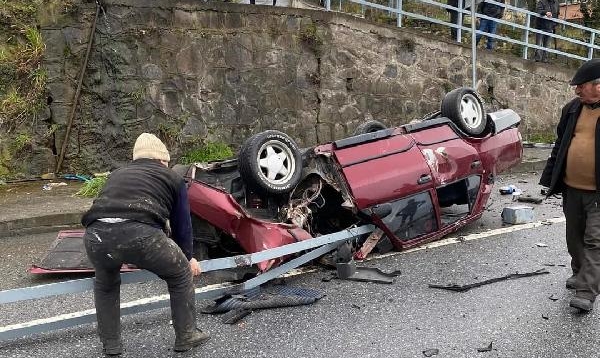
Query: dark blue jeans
[[108, 246], [488, 26]]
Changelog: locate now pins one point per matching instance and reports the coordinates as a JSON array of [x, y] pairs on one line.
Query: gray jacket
[[542, 7]]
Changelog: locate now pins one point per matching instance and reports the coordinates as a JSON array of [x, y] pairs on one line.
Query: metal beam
[[324, 243]]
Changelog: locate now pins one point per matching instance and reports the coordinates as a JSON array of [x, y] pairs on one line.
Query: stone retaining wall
[[194, 72]]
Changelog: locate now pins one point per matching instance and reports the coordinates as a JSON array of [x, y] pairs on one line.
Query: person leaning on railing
[[548, 9]]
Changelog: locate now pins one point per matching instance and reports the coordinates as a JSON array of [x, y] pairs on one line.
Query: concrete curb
[[40, 224], [529, 166]]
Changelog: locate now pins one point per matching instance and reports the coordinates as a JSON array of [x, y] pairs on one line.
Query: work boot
[[582, 304], [571, 283], [185, 342], [112, 349]]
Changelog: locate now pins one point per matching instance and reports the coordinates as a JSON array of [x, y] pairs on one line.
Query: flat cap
[[589, 71]]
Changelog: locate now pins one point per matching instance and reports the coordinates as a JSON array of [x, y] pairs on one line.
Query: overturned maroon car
[[416, 182]]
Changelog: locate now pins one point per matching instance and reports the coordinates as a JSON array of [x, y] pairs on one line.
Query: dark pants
[[108, 246], [454, 19], [583, 239], [489, 26], [541, 40]]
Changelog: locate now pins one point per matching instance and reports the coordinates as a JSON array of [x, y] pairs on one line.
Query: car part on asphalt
[[349, 271], [464, 107], [270, 161], [488, 348], [463, 288]]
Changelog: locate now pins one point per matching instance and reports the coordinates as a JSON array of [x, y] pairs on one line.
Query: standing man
[[573, 168], [126, 224], [454, 14], [548, 9], [489, 25]]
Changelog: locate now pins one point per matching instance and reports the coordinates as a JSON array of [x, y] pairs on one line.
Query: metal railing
[[579, 41]]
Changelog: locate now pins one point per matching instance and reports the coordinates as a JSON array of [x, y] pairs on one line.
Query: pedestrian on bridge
[[573, 169], [126, 224]]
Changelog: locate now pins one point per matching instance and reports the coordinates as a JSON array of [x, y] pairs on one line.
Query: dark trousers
[[583, 239], [489, 26], [108, 246], [541, 40]]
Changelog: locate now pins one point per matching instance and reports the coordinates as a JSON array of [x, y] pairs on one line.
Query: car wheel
[[270, 161], [464, 107], [369, 127]]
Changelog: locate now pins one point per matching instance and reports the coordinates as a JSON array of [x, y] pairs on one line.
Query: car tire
[[369, 127], [270, 162], [464, 107]]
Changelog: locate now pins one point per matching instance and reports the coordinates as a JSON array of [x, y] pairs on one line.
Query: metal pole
[[526, 39], [328, 5], [473, 44], [591, 49], [399, 13], [459, 22]]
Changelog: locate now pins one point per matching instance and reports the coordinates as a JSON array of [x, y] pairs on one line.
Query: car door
[[449, 157], [382, 170]]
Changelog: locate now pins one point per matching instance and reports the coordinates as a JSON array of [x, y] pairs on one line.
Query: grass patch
[[92, 187], [210, 152]]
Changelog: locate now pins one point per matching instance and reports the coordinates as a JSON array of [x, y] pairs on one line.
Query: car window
[[412, 216]]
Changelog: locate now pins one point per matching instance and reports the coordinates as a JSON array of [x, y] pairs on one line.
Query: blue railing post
[[591, 48], [399, 13], [460, 19], [526, 39]]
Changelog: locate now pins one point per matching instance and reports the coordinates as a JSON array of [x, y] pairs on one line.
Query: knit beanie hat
[[149, 146]]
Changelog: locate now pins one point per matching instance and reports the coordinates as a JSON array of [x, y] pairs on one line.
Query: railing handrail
[[526, 28]]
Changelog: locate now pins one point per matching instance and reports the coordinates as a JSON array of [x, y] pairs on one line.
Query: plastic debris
[[509, 189], [553, 297], [49, 186], [541, 244]]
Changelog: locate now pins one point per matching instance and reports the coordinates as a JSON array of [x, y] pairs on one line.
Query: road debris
[[431, 352], [541, 244], [463, 288], [529, 199], [553, 297], [519, 214], [49, 186], [485, 349]]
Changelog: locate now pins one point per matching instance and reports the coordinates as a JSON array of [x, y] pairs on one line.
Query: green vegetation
[[92, 187], [209, 152], [312, 38], [541, 137]]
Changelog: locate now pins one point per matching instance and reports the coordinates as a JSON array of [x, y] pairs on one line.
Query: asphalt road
[[404, 319]]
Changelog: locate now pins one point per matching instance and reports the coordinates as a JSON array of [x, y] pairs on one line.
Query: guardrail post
[[399, 13], [526, 39], [328, 5], [591, 48], [460, 19]]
